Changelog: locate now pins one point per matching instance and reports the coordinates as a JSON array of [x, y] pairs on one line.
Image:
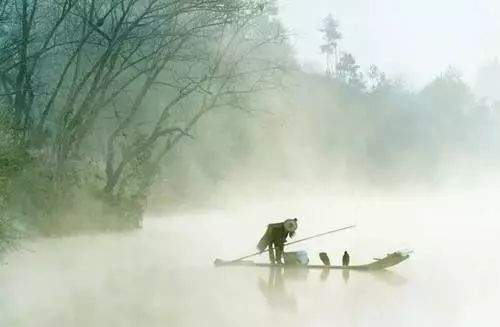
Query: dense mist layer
[[164, 273], [323, 133]]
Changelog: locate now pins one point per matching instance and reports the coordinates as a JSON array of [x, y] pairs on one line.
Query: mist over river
[[163, 275]]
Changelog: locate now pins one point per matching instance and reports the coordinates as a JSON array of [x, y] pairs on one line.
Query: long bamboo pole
[[295, 242]]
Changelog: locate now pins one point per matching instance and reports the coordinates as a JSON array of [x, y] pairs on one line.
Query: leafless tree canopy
[[138, 74]]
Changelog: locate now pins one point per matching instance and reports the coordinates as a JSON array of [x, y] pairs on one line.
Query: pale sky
[[413, 39]]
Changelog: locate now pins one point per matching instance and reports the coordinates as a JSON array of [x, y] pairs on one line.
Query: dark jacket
[[275, 234]]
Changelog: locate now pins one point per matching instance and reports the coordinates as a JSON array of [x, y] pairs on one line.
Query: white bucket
[[296, 258]]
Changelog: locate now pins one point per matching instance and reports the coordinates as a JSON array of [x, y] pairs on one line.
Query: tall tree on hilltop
[[331, 36]]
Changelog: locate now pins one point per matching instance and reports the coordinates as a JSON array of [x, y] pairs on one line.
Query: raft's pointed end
[[406, 252], [217, 262]]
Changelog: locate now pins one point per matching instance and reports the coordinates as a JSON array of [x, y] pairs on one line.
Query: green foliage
[[448, 91], [8, 235], [348, 71], [13, 159]]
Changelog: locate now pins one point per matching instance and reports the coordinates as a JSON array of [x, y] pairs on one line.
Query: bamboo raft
[[389, 260]]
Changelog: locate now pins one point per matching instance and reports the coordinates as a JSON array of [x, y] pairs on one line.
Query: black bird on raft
[[345, 259], [324, 258]]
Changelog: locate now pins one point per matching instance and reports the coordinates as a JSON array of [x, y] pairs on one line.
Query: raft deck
[[389, 260]]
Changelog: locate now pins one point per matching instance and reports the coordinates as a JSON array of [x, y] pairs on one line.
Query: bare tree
[[230, 71], [29, 40], [131, 76]]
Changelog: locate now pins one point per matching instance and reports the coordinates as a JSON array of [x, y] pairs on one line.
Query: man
[[345, 259], [275, 237]]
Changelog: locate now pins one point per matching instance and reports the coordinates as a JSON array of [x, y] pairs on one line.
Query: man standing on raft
[[275, 238]]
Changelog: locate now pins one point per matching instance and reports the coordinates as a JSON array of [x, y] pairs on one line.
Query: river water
[[163, 275]]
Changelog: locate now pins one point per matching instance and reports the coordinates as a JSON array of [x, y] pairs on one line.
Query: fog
[[163, 274], [118, 191], [404, 38]]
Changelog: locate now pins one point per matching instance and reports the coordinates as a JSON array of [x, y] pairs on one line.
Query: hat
[[290, 225]]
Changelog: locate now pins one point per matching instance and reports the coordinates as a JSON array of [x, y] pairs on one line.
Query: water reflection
[[325, 273], [274, 289], [389, 277], [296, 274], [346, 274]]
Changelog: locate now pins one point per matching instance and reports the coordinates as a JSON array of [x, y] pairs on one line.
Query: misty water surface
[[163, 275]]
